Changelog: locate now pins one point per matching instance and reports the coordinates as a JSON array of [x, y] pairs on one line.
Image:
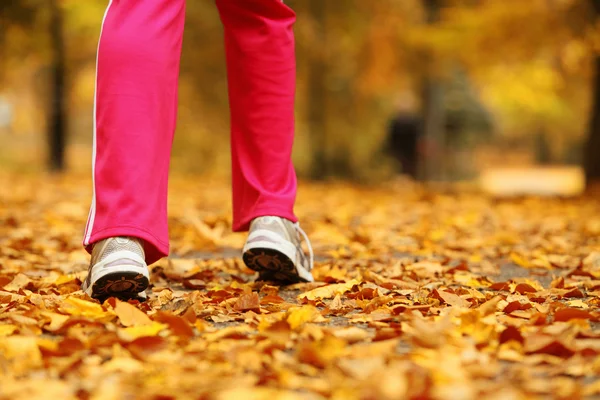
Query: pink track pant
[[136, 106]]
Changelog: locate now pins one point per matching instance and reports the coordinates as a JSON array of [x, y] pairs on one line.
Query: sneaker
[[274, 250], [118, 268]]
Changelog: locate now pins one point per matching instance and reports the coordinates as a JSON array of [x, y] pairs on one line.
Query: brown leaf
[[511, 333], [248, 302], [575, 292], [178, 325], [272, 299], [194, 284], [516, 305]]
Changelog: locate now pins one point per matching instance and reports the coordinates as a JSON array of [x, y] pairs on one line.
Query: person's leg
[[134, 121], [261, 65]]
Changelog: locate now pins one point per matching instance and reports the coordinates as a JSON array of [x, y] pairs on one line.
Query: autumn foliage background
[[435, 290], [504, 74]]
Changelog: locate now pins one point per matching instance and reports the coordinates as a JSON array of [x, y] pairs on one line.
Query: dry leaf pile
[[420, 294]]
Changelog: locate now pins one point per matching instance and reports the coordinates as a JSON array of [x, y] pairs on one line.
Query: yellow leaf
[[48, 344], [84, 308], [578, 304], [65, 279], [253, 393], [299, 316], [22, 352], [7, 330], [519, 260], [56, 320], [328, 291], [130, 315], [135, 332]]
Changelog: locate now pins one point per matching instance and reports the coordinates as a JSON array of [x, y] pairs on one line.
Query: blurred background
[[441, 90]]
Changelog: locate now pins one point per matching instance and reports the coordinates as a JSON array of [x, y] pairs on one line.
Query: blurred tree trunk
[[591, 157], [317, 69], [57, 118], [433, 107], [592, 147]]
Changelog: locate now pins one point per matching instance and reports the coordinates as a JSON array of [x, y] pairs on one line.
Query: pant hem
[[154, 248], [244, 224]]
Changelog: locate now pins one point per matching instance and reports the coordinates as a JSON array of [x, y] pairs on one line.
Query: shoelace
[[308, 244]]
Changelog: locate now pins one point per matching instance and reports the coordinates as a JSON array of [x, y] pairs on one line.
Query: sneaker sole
[[124, 285], [272, 265]]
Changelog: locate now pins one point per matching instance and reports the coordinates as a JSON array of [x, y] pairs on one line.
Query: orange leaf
[[130, 315], [452, 299], [523, 288], [567, 314], [178, 325]]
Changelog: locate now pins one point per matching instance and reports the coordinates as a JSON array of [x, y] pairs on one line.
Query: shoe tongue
[[122, 240]]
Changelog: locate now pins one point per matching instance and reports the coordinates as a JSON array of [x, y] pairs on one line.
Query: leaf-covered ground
[[420, 294]]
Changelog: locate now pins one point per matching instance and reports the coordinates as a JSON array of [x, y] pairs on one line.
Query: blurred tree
[[14, 13], [27, 15], [529, 62], [57, 114], [433, 101], [317, 91], [592, 148]]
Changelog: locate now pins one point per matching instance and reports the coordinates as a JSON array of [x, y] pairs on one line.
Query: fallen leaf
[[20, 281], [135, 332], [84, 308], [298, 316], [7, 330], [248, 302], [130, 315], [351, 335], [452, 299], [178, 325], [567, 314], [328, 291]]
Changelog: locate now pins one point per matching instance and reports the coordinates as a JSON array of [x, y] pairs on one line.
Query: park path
[[420, 293]]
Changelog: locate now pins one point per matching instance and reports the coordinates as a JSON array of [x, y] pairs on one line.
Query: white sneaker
[[118, 268], [274, 250]]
